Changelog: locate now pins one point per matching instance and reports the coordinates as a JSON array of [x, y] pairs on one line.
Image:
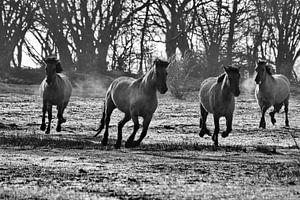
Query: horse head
[[52, 66], [233, 75], [262, 70], [160, 71]]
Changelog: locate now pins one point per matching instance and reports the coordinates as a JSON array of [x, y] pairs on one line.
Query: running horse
[[217, 97], [272, 90], [56, 89], [134, 97]]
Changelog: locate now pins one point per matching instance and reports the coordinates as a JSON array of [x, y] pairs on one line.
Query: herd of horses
[[138, 98]]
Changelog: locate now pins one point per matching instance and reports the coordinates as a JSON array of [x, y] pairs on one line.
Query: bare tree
[[16, 17], [283, 33]]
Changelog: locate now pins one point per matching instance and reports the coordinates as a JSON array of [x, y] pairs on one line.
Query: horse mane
[[221, 77]]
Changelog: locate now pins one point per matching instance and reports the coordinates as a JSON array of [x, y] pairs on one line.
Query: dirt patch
[[173, 162]]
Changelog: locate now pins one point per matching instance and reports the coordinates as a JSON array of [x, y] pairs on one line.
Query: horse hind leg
[[101, 126], [120, 126], [203, 119], [276, 109], [110, 106]]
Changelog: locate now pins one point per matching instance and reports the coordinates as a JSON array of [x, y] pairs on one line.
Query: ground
[[173, 162]]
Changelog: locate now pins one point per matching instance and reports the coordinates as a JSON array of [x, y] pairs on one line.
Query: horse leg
[[216, 132], [228, 126], [120, 126], [276, 109], [101, 126], [286, 110], [64, 107], [59, 117], [129, 142], [262, 123], [43, 125], [110, 106], [146, 123], [49, 109], [203, 119]]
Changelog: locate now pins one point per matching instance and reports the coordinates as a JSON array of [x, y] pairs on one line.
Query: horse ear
[[221, 77]]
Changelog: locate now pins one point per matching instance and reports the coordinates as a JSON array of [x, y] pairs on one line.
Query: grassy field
[[173, 162]]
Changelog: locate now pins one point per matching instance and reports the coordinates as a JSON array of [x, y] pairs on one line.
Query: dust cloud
[[90, 87], [248, 85]]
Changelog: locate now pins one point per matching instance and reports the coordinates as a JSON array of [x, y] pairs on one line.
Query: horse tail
[[101, 126]]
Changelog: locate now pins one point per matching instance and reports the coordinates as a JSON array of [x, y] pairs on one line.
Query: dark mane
[[221, 77]]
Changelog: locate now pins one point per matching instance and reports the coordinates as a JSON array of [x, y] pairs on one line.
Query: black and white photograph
[[149, 99]]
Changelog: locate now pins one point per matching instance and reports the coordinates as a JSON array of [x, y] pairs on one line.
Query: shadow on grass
[[88, 142]]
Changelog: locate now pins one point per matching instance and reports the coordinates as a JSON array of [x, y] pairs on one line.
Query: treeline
[[100, 35]]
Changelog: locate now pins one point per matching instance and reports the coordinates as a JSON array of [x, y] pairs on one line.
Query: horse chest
[[53, 96]]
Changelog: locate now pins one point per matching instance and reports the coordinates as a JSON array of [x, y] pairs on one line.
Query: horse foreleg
[[129, 142], [120, 126], [262, 123], [44, 109], [286, 110], [228, 126], [49, 109], [146, 123], [203, 119], [216, 132], [59, 117]]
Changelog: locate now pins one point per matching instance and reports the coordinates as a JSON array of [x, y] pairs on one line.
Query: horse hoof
[[117, 146], [47, 131], [262, 125], [128, 145], [43, 127], [203, 132], [58, 129], [273, 120], [104, 142], [225, 134]]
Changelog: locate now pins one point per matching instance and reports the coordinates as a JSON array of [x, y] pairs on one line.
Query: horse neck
[[268, 84], [148, 84]]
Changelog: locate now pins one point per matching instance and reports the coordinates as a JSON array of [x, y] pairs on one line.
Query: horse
[[134, 97], [271, 90], [216, 96], [56, 89]]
